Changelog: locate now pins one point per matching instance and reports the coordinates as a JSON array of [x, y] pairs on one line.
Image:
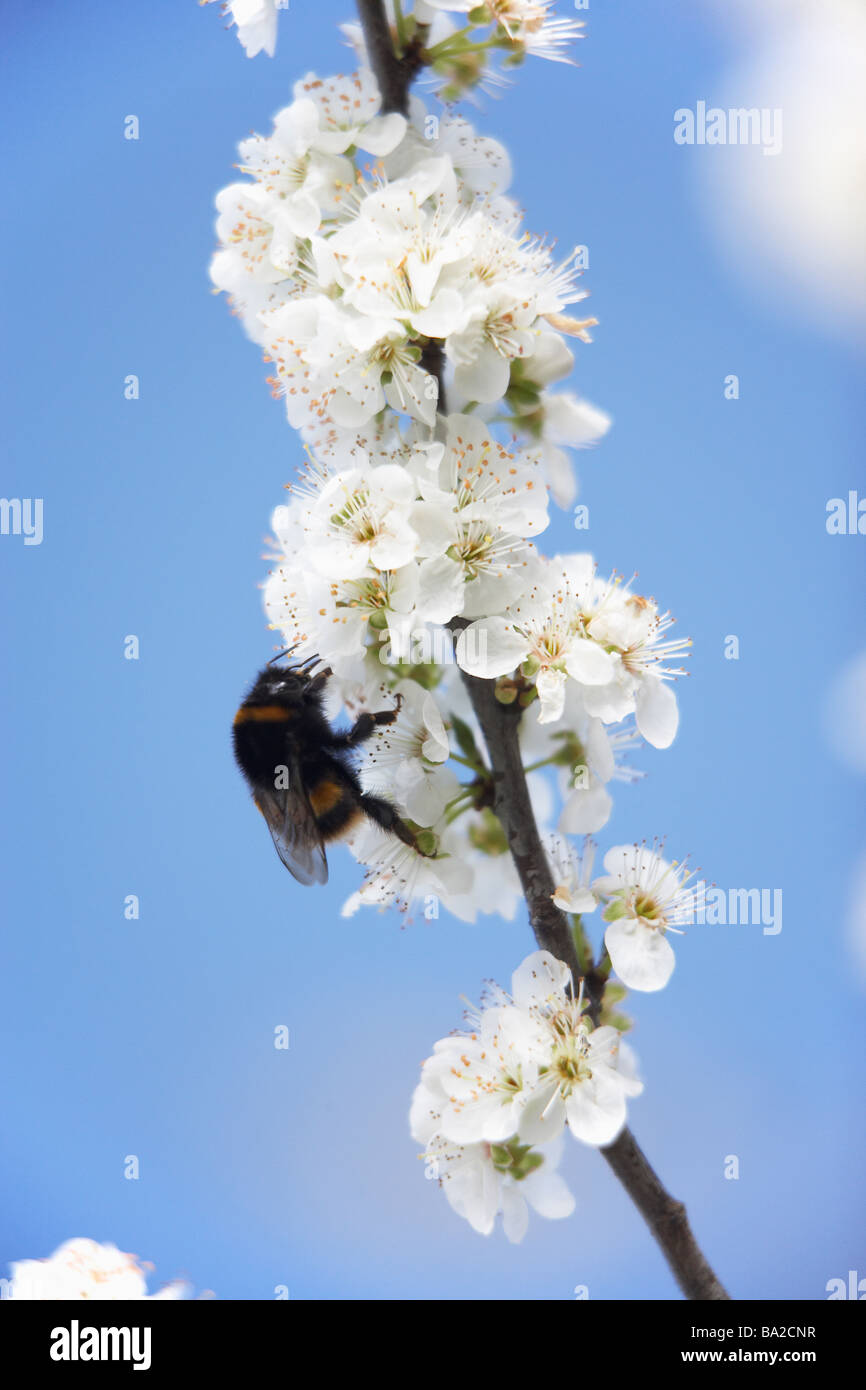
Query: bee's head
[[290, 685]]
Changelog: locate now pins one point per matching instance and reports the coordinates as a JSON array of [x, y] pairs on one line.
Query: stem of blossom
[[542, 762], [465, 762], [439, 50], [665, 1216], [453, 46], [458, 806], [401, 25], [581, 944]]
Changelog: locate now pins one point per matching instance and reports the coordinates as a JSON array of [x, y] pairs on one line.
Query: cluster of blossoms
[[83, 1268], [493, 1102], [416, 334], [408, 522], [354, 279]]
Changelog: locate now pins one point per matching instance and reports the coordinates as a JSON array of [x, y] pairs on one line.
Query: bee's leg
[[364, 726], [319, 680], [383, 813]]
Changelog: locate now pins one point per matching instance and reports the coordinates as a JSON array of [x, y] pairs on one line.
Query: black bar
[[602, 1337]]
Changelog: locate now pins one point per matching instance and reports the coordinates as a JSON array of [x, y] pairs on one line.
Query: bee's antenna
[[287, 651]]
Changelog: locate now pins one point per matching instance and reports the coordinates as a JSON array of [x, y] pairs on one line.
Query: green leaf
[[466, 741]]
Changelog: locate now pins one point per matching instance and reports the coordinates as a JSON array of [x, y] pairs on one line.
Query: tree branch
[[665, 1216], [394, 75], [513, 809]]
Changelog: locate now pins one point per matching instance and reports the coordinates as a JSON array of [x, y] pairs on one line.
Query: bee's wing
[[294, 830]]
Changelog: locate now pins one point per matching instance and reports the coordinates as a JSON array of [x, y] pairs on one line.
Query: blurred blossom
[[844, 721], [83, 1268], [844, 714], [855, 921], [795, 225]]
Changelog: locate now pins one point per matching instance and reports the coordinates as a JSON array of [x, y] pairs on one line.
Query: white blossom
[[256, 22], [546, 629], [570, 625], [334, 618], [566, 421], [472, 521], [399, 876], [359, 520], [334, 363], [481, 165], [572, 871], [553, 420], [347, 113], [531, 1063], [406, 760], [647, 897], [482, 1180], [587, 756], [581, 1084], [513, 285]]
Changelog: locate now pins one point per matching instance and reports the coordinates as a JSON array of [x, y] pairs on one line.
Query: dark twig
[[665, 1216], [513, 809], [394, 75]]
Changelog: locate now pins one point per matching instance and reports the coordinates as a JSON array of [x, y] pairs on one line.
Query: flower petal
[[656, 711], [642, 956], [490, 648]]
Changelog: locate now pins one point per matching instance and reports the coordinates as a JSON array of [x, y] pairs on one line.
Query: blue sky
[[154, 1037]]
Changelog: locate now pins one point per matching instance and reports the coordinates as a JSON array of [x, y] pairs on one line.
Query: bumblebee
[[299, 770]]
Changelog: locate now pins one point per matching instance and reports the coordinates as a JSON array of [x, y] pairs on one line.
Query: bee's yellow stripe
[[324, 796], [262, 714]]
